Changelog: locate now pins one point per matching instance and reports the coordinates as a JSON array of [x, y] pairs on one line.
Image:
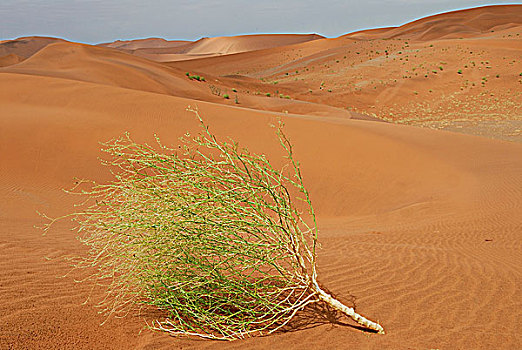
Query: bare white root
[[348, 311]]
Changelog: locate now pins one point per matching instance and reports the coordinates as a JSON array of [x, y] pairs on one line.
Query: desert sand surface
[[420, 227]]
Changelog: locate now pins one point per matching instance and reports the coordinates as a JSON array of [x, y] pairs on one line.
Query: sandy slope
[[404, 214], [420, 227], [103, 66], [110, 67]]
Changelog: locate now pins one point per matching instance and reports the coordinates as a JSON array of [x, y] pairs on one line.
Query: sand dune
[[105, 66], [149, 43], [420, 227], [155, 49], [431, 83], [109, 67], [26, 47], [243, 43], [457, 24], [209, 47]]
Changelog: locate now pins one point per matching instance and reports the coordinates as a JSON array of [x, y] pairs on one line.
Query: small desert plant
[[226, 96], [195, 77], [208, 232], [215, 90]]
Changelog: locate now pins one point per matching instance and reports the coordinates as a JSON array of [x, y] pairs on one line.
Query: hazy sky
[[94, 21]]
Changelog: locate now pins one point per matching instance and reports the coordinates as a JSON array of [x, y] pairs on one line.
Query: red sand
[[421, 226]]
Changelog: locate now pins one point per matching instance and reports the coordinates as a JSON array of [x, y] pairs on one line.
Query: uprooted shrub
[[207, 232]]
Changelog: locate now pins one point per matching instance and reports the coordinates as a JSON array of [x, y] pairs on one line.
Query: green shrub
[[195, 77], [207, 232], [226, 96]]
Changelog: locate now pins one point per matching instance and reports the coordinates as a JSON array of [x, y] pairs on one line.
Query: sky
[[95, 21]]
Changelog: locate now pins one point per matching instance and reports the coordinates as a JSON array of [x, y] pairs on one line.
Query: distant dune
[[144, 44], [419, 228], [104, 66], [26, 47], [160, 50], [243, 43], [462, 23], [429, 82], [109, 67]]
